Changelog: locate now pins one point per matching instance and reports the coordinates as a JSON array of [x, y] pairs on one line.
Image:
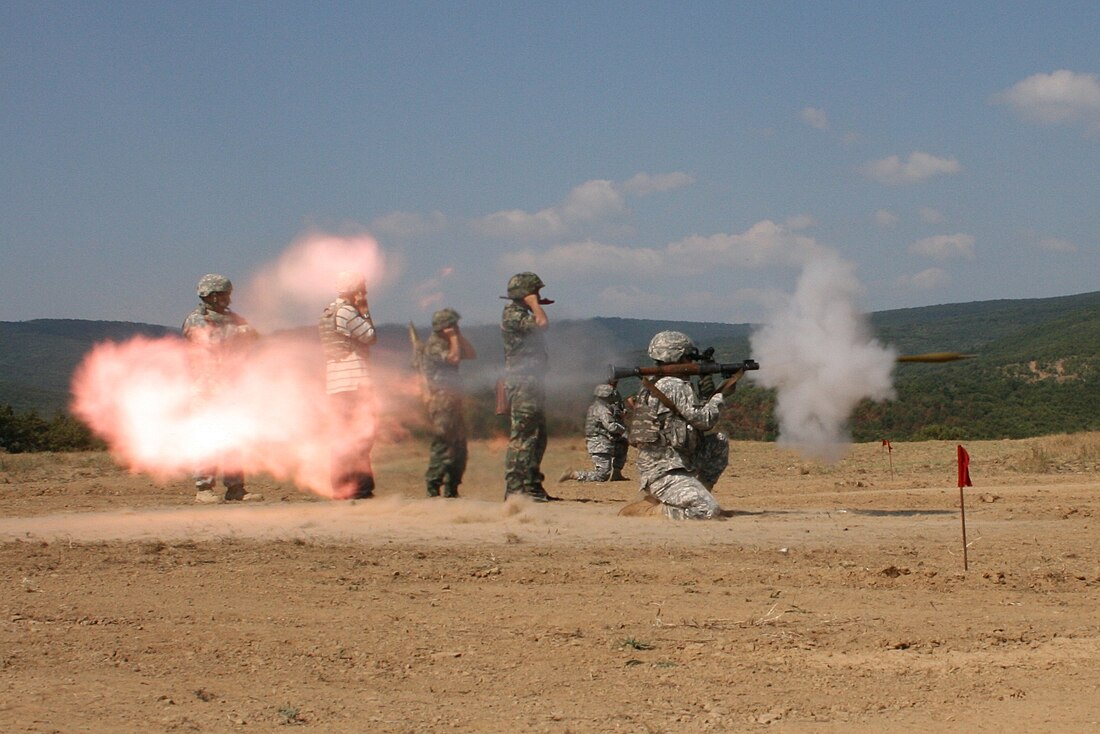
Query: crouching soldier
[[604, 434]]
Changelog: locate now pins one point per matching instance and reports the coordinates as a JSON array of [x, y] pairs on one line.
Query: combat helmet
[[670, 346], [444, 318], [213, 283], [603, 391], [522, 285]]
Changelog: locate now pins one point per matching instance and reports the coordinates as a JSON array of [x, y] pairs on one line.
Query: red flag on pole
[[886, 444], [964, 468]]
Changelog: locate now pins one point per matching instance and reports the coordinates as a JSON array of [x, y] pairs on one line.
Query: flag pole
[[964, 481]]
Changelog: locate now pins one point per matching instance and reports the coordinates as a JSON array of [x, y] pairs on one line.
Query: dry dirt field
[[834, 600]]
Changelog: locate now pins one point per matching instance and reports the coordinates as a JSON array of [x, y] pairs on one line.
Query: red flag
[[886, 443], [964, 468]]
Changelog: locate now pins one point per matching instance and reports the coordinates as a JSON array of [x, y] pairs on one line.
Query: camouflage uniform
[[443, 385], [668, 466], [216, 334], [525, 365], [604, 433], [346, 335], [618, 413]]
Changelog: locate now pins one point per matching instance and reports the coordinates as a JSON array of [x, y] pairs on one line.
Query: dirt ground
[[834, 600]]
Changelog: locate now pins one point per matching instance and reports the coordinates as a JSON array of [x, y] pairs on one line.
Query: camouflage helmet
[[522, 285], [213, 283], [444, 318], [670, 346], [349, 281], [603, 391]]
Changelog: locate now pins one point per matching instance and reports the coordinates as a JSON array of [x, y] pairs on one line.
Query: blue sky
[[655, 160]]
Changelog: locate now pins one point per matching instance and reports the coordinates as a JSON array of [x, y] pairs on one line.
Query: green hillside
[[1034, 373]]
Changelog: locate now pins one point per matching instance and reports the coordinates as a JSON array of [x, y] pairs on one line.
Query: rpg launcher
[[684, 369]]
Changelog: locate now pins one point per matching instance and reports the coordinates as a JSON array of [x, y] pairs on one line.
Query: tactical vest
[[336, 346]]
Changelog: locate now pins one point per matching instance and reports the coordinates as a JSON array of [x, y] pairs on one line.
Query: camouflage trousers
[[601, 471], [683, 497], [448, 453], [527, 439], [711, 458]]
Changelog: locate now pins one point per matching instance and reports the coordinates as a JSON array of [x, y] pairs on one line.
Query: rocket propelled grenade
[[935, 357], [684, 369]]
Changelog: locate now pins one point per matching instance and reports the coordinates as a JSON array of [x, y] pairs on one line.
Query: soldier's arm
[[358, 326]]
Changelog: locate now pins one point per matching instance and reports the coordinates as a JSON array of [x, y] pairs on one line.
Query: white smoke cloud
[[817, 352]]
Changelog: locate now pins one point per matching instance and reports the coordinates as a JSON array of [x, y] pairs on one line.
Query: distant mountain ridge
[[1035, 370]]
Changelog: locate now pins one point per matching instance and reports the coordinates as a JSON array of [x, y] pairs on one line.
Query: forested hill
[[1035, 371]]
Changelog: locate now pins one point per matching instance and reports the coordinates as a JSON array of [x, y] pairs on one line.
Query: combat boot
[[206, 497], [617, 476]]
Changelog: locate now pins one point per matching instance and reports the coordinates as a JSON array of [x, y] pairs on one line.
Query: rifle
[[418, 361]]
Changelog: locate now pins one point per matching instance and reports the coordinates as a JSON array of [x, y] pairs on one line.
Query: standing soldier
[[445, 348], [523, 326], [668, 448], [216, 334], [604, 432], [347, 332]]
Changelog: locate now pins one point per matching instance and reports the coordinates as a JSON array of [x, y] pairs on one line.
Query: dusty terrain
[[835, 600]]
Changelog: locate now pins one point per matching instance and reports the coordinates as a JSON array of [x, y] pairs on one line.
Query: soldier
[[604, 433], [347, 332], [668, 458], [216, 334], [445, 348], [622, 445], [523, 325]]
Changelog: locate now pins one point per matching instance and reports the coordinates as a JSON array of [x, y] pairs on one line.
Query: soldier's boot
[[433, 490], [234, 493], [365, 488], [450, 491], [617, 476]]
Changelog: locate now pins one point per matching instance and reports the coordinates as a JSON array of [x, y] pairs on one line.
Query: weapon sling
[[666, 401]]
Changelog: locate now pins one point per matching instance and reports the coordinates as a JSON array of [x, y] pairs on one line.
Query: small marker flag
[[886, 444], [964, 468]]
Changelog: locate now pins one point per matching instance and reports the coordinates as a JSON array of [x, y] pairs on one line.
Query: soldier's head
[[444, 318], [603, 392], [215, 290], [671, 346], [522, 285], [349, 283]]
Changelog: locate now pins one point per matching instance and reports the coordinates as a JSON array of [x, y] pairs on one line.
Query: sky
[[659, 160]]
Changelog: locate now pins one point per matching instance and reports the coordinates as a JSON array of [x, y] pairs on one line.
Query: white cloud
[[1059, 97], [764, 244], [885, 218], [591, 202], [814, 117], [1056, 244], [945, 247], [800, 221], [919, 167], [931, 216], [643, 184], [410, 224], [929, 279]]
